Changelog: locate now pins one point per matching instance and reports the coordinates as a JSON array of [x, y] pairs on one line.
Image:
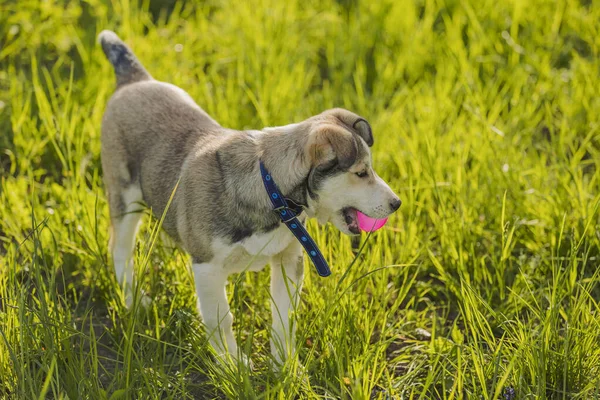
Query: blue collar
[[289, 217]]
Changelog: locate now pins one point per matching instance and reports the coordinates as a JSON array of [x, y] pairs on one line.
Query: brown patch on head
[[358, 167], [363, 158], [328, 142]]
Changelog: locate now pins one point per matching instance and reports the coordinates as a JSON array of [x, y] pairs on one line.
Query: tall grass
[[486, 121]]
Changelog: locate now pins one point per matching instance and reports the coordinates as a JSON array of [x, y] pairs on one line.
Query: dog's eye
[[362, 174]]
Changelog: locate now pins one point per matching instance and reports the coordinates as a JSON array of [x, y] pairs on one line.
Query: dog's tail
[[127, 67]]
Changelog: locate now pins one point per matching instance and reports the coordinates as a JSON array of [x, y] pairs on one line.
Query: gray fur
[[158, 144], [127, 67], [155, 137]]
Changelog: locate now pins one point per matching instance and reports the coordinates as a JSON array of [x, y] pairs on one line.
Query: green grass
[[486, 117]]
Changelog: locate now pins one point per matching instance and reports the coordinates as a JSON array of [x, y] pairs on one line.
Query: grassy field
[[486, 118]]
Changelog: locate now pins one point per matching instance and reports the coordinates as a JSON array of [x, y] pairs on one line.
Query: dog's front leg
[[287, 273], [211, 282]]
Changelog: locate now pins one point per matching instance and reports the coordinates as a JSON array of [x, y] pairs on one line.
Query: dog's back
[[148, 130]]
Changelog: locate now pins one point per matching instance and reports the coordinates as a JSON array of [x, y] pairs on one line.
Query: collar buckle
[[295, 207], [285, 213]]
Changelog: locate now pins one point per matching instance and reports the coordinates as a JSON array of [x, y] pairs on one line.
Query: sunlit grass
[[486, 122]]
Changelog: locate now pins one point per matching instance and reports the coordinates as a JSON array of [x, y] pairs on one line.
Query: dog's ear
[[364, 131], [358, 123], [327, 142]]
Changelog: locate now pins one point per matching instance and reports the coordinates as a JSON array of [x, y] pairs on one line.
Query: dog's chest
[[255, 251], [270, 243]]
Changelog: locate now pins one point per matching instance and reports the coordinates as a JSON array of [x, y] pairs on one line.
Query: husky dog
[[157, 141]]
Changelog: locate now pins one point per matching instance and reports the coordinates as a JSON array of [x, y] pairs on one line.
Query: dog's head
[[341, 178]]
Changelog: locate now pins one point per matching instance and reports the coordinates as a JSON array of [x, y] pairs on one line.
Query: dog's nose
[[395, 204]]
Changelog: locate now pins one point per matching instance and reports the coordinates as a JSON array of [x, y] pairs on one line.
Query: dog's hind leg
[[287, 273], [126, 212]]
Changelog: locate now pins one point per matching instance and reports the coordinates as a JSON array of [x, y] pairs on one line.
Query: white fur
[[293, 150], [211, 279], [252, 254], [277, 248], [123, 241], [286, 284], [269, 244], [340, 191]]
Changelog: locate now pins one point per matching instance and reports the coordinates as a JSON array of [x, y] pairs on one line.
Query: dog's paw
[[144, 300], [291, 367], [228, 359]]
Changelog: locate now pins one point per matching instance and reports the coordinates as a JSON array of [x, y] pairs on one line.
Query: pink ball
[[369, 224]]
